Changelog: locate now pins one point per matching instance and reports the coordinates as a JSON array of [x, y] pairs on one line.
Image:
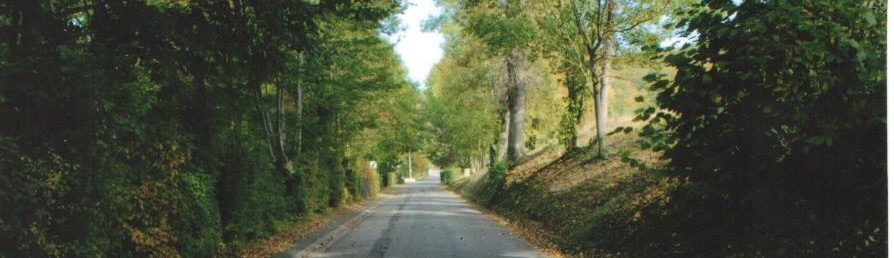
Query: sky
[[418, 50]]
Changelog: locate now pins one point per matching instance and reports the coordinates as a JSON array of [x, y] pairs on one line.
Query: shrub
[[447, 177], [496, 181]]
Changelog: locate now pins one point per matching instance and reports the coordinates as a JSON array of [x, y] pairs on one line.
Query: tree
[[506, 29], [461, 106], [777, 107], [591, 31]]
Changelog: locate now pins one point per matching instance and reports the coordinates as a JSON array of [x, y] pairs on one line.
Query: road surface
[[423, 220]]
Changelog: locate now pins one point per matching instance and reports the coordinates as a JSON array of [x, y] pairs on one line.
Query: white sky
[[418, 50]]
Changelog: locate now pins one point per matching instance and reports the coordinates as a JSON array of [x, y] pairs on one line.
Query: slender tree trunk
[[482, 158], [601, 95], [516, 106], [285, 164], [600, 98], [487, 161], [274, 129], [293, 183], [504, 138], [473, 163], [300, 103], [266, 121], [410, 162], [575, 107], [603, 105]]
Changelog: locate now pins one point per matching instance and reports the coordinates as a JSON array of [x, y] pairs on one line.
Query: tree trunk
[[279, 134], [265, 120], [601, 96], [484, 161], [516, 106], [597, 109], [600, 93], [274, 129], [410, 166], [504, 138], [575, 108], [482, 158], [474, 163], [292, 183], [300, 104], [285, 164]]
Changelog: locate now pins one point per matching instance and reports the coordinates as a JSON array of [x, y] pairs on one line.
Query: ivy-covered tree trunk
[[573, 112], [516, 88], [504, 137]]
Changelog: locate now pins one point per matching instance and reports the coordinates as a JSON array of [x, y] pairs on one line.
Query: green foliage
[[502, 26], [460, 111], [574, 109], [778, 107], [185, 128], [467, 97], [448, 176], [496, 181], [202, 222], [39, 190]]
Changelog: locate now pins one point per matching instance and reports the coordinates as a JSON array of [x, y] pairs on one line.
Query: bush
[[447, 177], [496, 181]]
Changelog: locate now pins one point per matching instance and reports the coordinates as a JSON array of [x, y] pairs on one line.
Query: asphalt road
[[424, 220]]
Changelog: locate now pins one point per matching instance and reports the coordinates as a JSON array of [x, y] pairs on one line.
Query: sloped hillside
[[574, 204]]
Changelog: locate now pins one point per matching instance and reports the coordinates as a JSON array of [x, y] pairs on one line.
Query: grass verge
[[575, 206]]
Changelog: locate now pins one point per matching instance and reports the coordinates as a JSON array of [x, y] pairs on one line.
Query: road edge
[[340, 231], [339, 228], [528, 234]]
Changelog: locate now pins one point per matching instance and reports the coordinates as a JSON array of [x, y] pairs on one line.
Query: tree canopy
[[187, 128]]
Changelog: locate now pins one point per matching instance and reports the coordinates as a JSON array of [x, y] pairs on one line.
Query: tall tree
[[591, 30], [507, 29], [515, 87]]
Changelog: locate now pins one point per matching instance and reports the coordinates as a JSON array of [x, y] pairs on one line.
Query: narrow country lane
[[423, 220]]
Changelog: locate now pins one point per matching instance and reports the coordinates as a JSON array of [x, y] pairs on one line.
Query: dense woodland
[[190, 128], [196, 128]]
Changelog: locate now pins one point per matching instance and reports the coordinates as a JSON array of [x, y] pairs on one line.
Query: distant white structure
[[433, 171], [373, 164]]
